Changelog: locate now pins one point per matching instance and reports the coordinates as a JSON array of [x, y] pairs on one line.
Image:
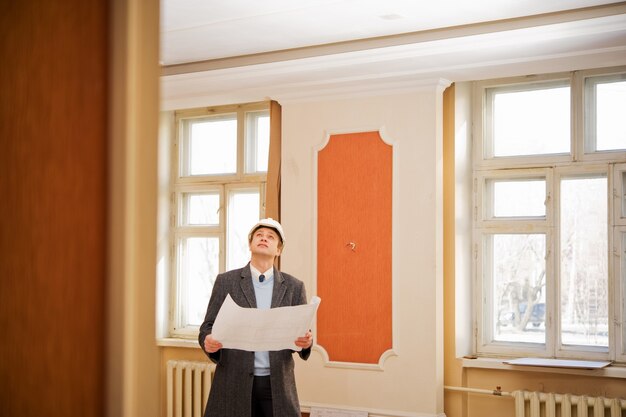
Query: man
[[255, 384]]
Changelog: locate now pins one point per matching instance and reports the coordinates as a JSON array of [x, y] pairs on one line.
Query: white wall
[[463, 218], [411, 381]]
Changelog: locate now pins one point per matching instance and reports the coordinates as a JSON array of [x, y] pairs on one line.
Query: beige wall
[[132, 356], [411, 380]]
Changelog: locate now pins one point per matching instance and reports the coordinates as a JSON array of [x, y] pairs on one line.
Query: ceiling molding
[[567, 44], [397, 40]]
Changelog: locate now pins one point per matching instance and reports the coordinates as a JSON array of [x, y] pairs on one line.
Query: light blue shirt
[[263, 293]]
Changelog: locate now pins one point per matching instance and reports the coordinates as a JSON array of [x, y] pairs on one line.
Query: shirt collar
[[269, 274]]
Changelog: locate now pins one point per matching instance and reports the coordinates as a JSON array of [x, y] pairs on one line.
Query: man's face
[[265, 241]]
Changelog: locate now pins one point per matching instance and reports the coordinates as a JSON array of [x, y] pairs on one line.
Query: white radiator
[[188, 385], [540, 404]]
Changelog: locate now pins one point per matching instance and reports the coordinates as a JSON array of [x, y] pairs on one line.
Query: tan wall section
[[133, 357]]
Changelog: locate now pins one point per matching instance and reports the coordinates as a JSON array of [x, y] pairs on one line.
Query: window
[[549, 222], [218, 191]]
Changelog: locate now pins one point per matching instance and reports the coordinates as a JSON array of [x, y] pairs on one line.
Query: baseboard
[[305, 408]]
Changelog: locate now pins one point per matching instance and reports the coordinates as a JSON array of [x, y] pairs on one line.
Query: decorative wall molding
[[353, 365]]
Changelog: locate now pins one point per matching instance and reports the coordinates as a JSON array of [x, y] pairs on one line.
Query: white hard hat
[[272, 224]]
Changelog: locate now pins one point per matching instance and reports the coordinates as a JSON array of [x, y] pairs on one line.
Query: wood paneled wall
[[53, 196]]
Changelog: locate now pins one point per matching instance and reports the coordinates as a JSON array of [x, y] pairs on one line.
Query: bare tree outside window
[[519, 287], [584, 272]]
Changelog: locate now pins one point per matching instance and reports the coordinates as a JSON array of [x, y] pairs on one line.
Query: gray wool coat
[[231, 390]]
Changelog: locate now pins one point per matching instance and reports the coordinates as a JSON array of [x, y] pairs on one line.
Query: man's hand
[[306, 341], [211, 345]]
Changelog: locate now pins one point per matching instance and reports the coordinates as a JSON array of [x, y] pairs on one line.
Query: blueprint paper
[[257, 330]]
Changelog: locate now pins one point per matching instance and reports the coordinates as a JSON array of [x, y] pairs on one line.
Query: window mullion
[[552, 282], [619, 284], [241, 152], [577, 119]]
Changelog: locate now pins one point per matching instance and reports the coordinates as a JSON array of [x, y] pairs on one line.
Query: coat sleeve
[[215, 303], [304, 353]]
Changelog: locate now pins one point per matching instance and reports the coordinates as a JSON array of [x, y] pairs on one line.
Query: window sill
[[177, 342], [611, 371]]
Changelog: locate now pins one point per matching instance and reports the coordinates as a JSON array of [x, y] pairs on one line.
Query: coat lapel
[[246, 286], [279, 289]]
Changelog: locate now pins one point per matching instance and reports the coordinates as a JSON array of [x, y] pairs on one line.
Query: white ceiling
[[222, 51], [198, 30]]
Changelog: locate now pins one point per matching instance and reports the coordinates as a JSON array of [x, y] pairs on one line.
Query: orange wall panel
[[354, 322]]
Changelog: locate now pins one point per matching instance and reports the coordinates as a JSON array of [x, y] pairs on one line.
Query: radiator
[[188, 385], [540, 404]]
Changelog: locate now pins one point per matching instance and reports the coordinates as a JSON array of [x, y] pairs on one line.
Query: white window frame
[[483, 227], [618, 255], [619, 195], [553, 168], [182, 183]]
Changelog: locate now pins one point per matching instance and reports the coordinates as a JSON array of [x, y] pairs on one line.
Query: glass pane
[[517, 198], [243, 212], [611, 126], [257, 141], [532, 122], [518, 268], [202, 209], [213, 146], [200, 265], [584, 264]]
